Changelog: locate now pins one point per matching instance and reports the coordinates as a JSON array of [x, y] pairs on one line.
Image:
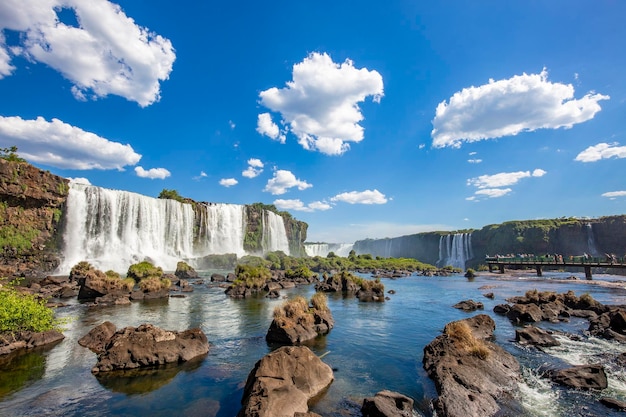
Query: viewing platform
[[555, 261]]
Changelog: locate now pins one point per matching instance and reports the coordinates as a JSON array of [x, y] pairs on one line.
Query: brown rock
[[586, 377], [98, 337], [28, 340], [535, 336], [387, 404], [469, 305]]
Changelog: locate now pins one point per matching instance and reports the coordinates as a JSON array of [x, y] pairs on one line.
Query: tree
[[171, 195], [10, 154]]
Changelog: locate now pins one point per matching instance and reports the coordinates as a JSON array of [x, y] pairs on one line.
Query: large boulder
[[282, 383], [525, 313], [387, 404], [531, 335], [148, 345], [185, 271], [610, 325], [585, 377], [98, 337], [28, 340], [473, 376]]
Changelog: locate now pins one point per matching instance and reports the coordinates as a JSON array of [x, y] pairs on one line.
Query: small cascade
[[274, 233], [591, 243], [323, 249], [455, 249]]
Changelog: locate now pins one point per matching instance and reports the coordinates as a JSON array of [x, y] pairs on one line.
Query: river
[[374, 346]]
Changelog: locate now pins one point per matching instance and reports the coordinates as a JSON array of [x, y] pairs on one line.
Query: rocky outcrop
[[296, 322], [387, 404], [147, 346], [534, 336], [28, 340], [185, 271], [610, 325], [469, 305], [473, 375], [98, 337], [346, 282], [282, 383], [32, 202]]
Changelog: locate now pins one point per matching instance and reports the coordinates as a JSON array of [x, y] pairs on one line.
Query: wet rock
[[613, 404], [469, 305], [387, 404], [282, 383], [535, 336], [296, 322], [28, 340], [525, 313], [217, 277], [109, 300], [502, 309], [148, 345], [98, 337], [585, 377], [185, 271], [610, 325], [489, 295]]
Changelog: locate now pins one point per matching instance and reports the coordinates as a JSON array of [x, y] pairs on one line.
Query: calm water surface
[[372, 347]]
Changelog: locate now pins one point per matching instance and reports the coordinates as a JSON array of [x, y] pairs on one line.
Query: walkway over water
[[556, 261]]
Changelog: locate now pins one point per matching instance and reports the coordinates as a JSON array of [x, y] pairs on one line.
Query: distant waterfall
[[455, 250], [323, 249], [591, 243], [113, 229], [274, 233]]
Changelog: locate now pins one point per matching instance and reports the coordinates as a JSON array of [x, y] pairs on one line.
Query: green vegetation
[[144, 270], [153, 284], [470, 273], [299, 272], [461, 333], [10, 154], [253, 277], [63, 188], [171, 195], [17, 239], [24, 312]]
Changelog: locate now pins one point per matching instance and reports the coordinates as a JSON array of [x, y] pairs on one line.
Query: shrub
[[461, 333], [300, 272], [183, 267], [470, 273], [319, 301], [144, 270], [252, 276], [24, 312], [154, 284]]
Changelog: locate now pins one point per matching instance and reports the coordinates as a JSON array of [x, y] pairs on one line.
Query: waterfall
[[591, 243], [274, 233], [323, 249], [455, 249], [113, 229]]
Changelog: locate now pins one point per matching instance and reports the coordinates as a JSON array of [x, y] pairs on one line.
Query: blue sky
[[366, 119]]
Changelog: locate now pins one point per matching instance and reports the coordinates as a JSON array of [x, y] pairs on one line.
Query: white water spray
[[455, 249]]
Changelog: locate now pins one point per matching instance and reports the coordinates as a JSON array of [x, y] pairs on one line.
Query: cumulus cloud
[[523, 103], [298, 205], [152, 173], [320, 105], [614, 194], [491, 186], [228, 182], [361, 197], [282, 181], [108, 53], [266, 126], [255, 167], [602, 151], [61, 145], [80, 180], [474, 161]]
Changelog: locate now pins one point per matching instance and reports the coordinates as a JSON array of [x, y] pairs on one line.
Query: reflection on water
[[373, 346]]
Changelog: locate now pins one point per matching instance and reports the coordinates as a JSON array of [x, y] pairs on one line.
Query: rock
[[296, 322], [28, 340], [610, 325], [470, 381], [272, 286], [111, 300], [535, 336], [525, 313], [387, 404], [371, 295], [282, 383], [502, 309], [136, 295], [489, 295], [147, 345], [218, 277], [469, 305], [273, 294], [231, 277], [98, 337], [613, 404], [287, 284], [184, 271], [585, 377]]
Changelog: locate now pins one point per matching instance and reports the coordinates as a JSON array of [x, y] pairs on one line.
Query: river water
[[372, 347]]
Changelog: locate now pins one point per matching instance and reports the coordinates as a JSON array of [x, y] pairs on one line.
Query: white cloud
[[265, 126], [255, 168], [614, 194], [474, 161], [80, 180], [602, 151], [232, 124], [282, 181], [361, 197], [61, 145], [228, 182], [200, 176], [320, 104], [152, 173], [523, 103], [298, 205], [503, 179], [493, 192], [107, 54]]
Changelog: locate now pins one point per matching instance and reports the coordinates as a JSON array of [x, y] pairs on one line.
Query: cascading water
[[455, 249], [113, 229], [591, 243], [323, 249], [274, 233]]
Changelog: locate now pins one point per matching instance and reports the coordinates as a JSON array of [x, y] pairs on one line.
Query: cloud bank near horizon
[[320, 105], [106, 52], [522, 103]]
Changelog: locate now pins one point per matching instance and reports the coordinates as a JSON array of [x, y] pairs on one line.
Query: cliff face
[[565, 236], [296, 230], [31, 207]]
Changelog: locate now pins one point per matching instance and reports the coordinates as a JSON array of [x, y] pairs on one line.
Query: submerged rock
[[387, 404], [469, 305], [282, 383], [28, 340]]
